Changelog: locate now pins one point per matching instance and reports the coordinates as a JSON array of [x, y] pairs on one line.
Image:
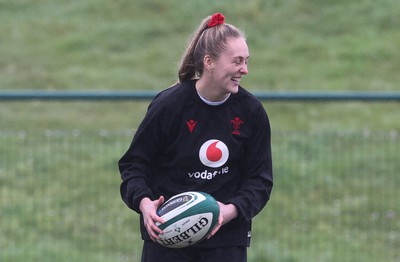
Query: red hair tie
[[216, 19]]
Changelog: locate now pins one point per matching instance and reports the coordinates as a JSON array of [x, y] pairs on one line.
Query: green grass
[[295, 45], [60, 201], [136, 45], [335, 197]]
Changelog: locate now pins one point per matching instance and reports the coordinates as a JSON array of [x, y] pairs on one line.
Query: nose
[[244, 70]]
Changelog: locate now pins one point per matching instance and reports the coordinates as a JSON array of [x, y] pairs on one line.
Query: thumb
[[160, 201]]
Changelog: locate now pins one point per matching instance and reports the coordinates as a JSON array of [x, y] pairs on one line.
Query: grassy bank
[[136, 45]]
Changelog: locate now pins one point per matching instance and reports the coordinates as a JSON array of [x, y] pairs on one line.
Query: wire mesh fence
[[335, 198]]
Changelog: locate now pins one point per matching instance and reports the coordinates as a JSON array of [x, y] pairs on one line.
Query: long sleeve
[[257, 182], [135, 164]]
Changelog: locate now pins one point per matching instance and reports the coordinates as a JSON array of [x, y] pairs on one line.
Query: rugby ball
[[189, 217]]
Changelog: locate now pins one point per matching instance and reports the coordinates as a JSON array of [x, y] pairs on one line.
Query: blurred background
[[335, 163]]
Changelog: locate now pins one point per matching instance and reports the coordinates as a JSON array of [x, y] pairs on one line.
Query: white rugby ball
[[189, 217]]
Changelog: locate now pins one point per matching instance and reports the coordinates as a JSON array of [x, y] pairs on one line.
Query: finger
[[214, 231], [153, 231], [150, 232], [158, 219], [217, 226], [154, 234]]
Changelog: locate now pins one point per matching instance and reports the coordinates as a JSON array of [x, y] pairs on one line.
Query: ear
[[208, 62]]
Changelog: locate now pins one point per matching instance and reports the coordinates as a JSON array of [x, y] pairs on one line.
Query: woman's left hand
[[226, 214]]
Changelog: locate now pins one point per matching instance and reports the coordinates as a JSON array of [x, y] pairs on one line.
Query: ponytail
[[210, 38], [187, 69]]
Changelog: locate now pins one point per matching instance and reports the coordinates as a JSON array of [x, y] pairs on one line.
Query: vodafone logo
[[213, 153]]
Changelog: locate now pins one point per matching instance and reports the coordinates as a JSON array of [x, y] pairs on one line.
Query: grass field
[[136, 45], [335, 164], [59, 199]]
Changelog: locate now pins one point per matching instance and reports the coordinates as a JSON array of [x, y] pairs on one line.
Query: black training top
[[184, 144]]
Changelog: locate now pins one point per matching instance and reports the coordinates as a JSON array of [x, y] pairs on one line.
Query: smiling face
[[223, 74]]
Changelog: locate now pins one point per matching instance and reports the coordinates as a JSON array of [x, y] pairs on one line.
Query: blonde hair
[[205, 41]]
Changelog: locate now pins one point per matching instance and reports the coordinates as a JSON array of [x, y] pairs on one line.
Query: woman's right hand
[[150, 217]]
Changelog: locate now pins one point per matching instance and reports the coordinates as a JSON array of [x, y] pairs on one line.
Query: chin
[[234, 89]]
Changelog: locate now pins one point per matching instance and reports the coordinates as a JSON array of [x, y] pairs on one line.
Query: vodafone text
[[209, 175]]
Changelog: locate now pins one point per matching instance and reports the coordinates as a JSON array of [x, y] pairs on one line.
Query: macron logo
[[191, 125]]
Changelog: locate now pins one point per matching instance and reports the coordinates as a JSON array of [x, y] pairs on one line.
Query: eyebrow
[[241, 57]]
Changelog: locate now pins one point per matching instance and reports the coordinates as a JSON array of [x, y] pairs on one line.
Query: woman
[[206, 133]]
